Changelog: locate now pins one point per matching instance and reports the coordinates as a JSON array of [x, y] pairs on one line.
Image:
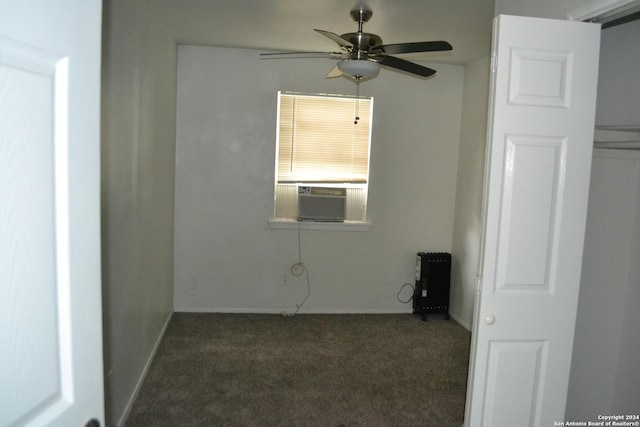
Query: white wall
[[226, 256], [138, 128], [469, 190]]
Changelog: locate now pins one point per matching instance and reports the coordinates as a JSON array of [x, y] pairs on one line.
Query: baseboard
[[455, 317], [291, 309], [464, 324], [147, 365], [136, 390]]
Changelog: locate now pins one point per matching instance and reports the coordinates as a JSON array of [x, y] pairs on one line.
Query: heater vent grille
[[287, 202], [327, 204]]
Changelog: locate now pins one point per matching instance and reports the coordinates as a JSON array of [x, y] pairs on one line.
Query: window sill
[[287, 224]]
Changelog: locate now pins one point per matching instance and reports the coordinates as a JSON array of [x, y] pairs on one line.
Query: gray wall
[[604, 372], [138, 122], [469, 190], [618, 81], [226, 256]]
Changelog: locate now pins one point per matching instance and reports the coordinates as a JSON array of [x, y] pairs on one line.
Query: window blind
[[318, 140]]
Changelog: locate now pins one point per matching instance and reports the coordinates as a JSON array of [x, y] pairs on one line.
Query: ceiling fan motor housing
[[361, 15], [362, 43]]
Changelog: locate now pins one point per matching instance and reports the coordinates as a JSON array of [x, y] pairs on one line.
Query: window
[[322, 142]]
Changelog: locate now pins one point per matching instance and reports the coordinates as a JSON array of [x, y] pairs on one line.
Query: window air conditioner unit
[[325, 204]]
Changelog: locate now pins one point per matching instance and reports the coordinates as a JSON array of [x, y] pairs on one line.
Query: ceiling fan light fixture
[[359, 68]]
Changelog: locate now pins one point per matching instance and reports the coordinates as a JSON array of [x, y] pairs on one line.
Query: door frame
[[601, 11]]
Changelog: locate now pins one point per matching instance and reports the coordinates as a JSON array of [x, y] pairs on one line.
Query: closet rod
[[627, 145], [619, 137]]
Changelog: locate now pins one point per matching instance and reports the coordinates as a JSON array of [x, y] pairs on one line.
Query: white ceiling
[[287, 25]]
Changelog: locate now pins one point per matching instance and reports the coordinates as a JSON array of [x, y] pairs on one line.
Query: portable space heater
[[433, 277]]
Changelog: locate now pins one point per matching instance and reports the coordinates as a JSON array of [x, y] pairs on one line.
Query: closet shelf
[[624, 137]]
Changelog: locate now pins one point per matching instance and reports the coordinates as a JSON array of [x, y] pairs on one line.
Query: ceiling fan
[[361, 54]]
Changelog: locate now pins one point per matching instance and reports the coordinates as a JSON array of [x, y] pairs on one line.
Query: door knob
[[490, 319]]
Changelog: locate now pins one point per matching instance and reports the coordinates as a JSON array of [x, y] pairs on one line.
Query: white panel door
[[50, 296], [542, 107]]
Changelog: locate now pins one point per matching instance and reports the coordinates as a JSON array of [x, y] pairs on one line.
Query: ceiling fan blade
[[401, 64], [335, 72], [336, 38], [281, 55], [398, 48]]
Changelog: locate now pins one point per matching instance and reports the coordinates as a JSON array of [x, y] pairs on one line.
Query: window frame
[[357, 222]]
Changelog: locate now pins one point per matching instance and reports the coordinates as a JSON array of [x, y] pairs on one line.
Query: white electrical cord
[[297, 270]]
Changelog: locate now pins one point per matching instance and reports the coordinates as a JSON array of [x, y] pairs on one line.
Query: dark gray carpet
[[307, 370]]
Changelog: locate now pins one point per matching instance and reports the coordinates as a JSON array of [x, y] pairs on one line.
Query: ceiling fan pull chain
[[355, 122]]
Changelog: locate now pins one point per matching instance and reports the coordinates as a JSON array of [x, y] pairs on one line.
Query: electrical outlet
[[284, 279], [193, 283]]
